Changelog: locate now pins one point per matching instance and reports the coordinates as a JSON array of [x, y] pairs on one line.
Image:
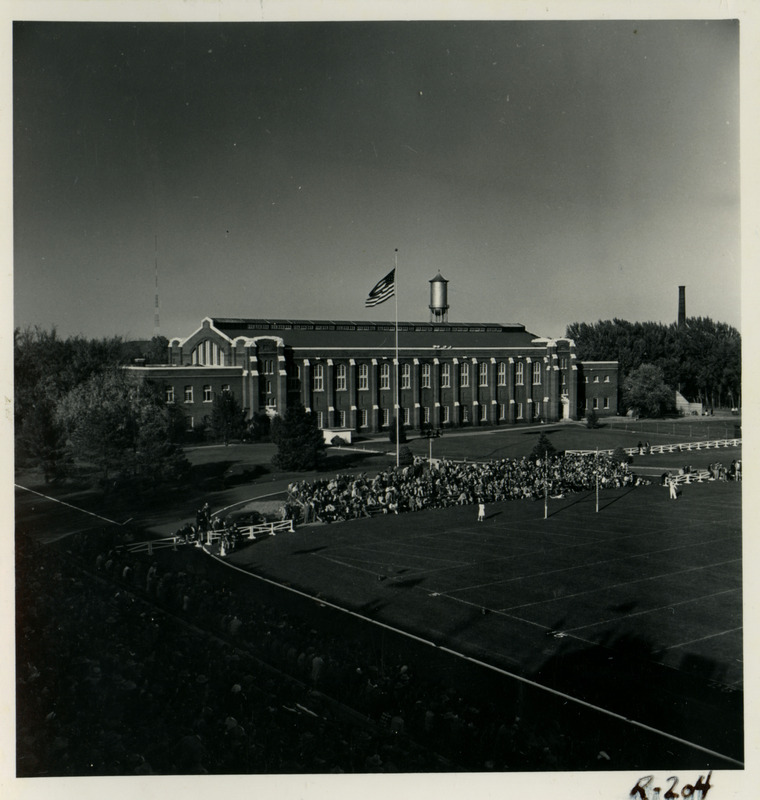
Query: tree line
[[701, 358], [77, 409], [74, 403]]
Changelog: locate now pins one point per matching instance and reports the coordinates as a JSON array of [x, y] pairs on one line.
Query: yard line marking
[[63, 503], [652, 577], [344, 564], [484, 664], [647, 553], [653, 610], [703, 638]]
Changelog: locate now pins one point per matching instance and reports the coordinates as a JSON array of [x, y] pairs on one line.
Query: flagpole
[[398, 406]]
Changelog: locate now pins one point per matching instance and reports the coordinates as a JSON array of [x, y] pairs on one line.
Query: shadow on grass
[[623, 678], [408, 583]]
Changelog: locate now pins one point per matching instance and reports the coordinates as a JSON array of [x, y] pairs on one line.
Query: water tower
[[439, 304]]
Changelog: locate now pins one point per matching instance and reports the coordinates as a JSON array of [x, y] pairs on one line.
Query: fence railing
[[682, 447], [250, 532]]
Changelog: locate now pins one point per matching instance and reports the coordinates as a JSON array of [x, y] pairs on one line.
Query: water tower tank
[[439, 304]]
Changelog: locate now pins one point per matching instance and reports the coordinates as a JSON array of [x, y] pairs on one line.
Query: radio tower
[[156, 323]]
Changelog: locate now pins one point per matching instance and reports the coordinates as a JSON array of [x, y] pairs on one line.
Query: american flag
[[383, 290]]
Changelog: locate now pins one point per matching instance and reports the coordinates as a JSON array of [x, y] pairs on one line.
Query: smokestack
[[681, 306]]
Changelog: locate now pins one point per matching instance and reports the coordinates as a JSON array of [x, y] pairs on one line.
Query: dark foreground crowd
[[448, 483], [127, 666]]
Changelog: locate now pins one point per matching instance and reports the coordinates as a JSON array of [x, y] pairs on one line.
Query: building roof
[[353, 334]]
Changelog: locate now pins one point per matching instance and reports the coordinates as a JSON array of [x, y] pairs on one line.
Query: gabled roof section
[[207, 325]]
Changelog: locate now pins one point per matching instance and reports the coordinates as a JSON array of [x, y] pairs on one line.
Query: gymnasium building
[[450, 375]]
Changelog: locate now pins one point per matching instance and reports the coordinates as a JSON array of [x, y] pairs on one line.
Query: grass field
[[636, 609]]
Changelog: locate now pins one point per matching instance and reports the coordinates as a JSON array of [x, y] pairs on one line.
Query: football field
[[635, 609]]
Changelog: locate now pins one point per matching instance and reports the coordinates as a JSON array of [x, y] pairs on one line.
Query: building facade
[[452, 375], [346, 372]]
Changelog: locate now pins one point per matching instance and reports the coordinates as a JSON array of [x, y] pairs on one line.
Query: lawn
[[636, 609]]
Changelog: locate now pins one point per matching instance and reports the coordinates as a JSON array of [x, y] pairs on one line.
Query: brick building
[[449, 374]]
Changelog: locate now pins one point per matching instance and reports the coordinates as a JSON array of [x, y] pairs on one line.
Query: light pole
[[596, 475]]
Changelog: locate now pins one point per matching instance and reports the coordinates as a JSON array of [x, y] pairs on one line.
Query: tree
[[300, 442], [646, 393], [121, 426], [392, 432], [227, 418], [542, 449], [592, 419], [42, 440]]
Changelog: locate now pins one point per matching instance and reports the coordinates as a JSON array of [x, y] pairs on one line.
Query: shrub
[[405, 457], [620, 455]]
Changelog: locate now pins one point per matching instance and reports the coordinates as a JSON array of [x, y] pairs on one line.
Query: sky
[[552, 171]]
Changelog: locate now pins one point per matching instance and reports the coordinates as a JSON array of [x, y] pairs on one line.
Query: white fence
[[249, 532], [683, 447]]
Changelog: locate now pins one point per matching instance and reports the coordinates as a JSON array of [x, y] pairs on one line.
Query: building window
[[502, 374], [386, 418], [502, 411], [564, 379], [207, 353], [519, 411], [426, 414], [405, 418], [606, 378], [385, 376], [426, 376], [563, 363], [585, 379], [537, 409], [446, 416], [596, 379], [465, 414], [445, 376], [406, 376], [364, 418], [596, 402], [320, 419], [207, 396], [319, 378], [607, 402], [340, 378], [363, 377], [342, 419], [519, 373], [483, 376], [484, 413], [169, 394], [464, 374], [226, 388], [268, 387], [536, 373], [188, 394]]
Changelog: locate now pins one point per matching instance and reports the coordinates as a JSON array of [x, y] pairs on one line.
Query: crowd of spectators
[[127, 665], [447, 483]]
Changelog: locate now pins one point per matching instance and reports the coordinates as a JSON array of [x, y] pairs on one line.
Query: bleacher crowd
[[127, 667], [447, 483]]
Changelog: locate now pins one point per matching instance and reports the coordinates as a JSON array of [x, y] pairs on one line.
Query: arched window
[[207, 353]]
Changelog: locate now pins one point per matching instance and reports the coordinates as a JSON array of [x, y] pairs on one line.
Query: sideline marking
[[76, 508], [465, 657]]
